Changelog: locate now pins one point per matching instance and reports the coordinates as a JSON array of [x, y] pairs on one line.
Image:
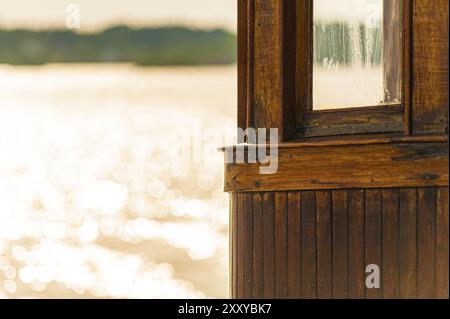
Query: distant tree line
[[334, 43], [146, 46]]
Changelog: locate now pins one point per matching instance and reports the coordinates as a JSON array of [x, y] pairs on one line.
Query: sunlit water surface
[[91, 203]]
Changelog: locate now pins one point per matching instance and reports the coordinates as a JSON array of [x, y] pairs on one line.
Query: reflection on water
[[90, 205]]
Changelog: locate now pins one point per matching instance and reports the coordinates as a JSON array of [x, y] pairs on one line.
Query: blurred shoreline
[[142, 46]]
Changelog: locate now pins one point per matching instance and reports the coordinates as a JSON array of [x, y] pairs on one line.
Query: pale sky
[[97, 14]]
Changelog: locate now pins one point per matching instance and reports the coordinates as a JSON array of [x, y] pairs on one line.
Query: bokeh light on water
[[91, 204]]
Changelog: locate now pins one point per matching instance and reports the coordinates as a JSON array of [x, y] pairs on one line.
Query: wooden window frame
[[267, 96], [299, 120]]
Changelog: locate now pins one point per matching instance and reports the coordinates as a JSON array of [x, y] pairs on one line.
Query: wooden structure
[[354, 186]]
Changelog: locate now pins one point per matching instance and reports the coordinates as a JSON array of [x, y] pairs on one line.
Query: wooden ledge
[[363, 163], [349, 140]]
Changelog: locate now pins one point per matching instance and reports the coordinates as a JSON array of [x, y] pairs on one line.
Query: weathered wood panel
[[317, 244], [430, 66]]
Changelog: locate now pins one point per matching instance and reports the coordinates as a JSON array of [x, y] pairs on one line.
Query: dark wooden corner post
[[353, 188]]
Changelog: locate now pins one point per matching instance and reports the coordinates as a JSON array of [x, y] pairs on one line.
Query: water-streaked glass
[[357, 53]]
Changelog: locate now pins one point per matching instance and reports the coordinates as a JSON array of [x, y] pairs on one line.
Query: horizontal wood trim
[[342, 167], [347, 140], [377, 119]]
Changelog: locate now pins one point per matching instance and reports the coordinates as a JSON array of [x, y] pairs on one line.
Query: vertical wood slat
[[248, 245], [294, 246], [407, 243], [281, 253], [240, 247], [324, 245], [442, 248], [340, 244], [308, 239], [426, 215], [356, 268], [269, 245], [233, 231], [373, 235], [389, 269], [258, 246]]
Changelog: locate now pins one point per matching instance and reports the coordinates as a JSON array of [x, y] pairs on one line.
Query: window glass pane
[[357, 53]]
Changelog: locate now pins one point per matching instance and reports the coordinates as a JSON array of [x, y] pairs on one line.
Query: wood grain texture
[[240, 216], [302, 24], [373, 235], [267, 80], [244, 54], [294, 246], [340, 244], [308, 240], [408, 243], [324, 245], [442, 249], [356, 241], [426, 215], [390, 243], [354, 166], [317, 244], [269, 245], [258, 245], [430, 66], [281, 246], [233, 233], [379, 119], [248, 244]]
